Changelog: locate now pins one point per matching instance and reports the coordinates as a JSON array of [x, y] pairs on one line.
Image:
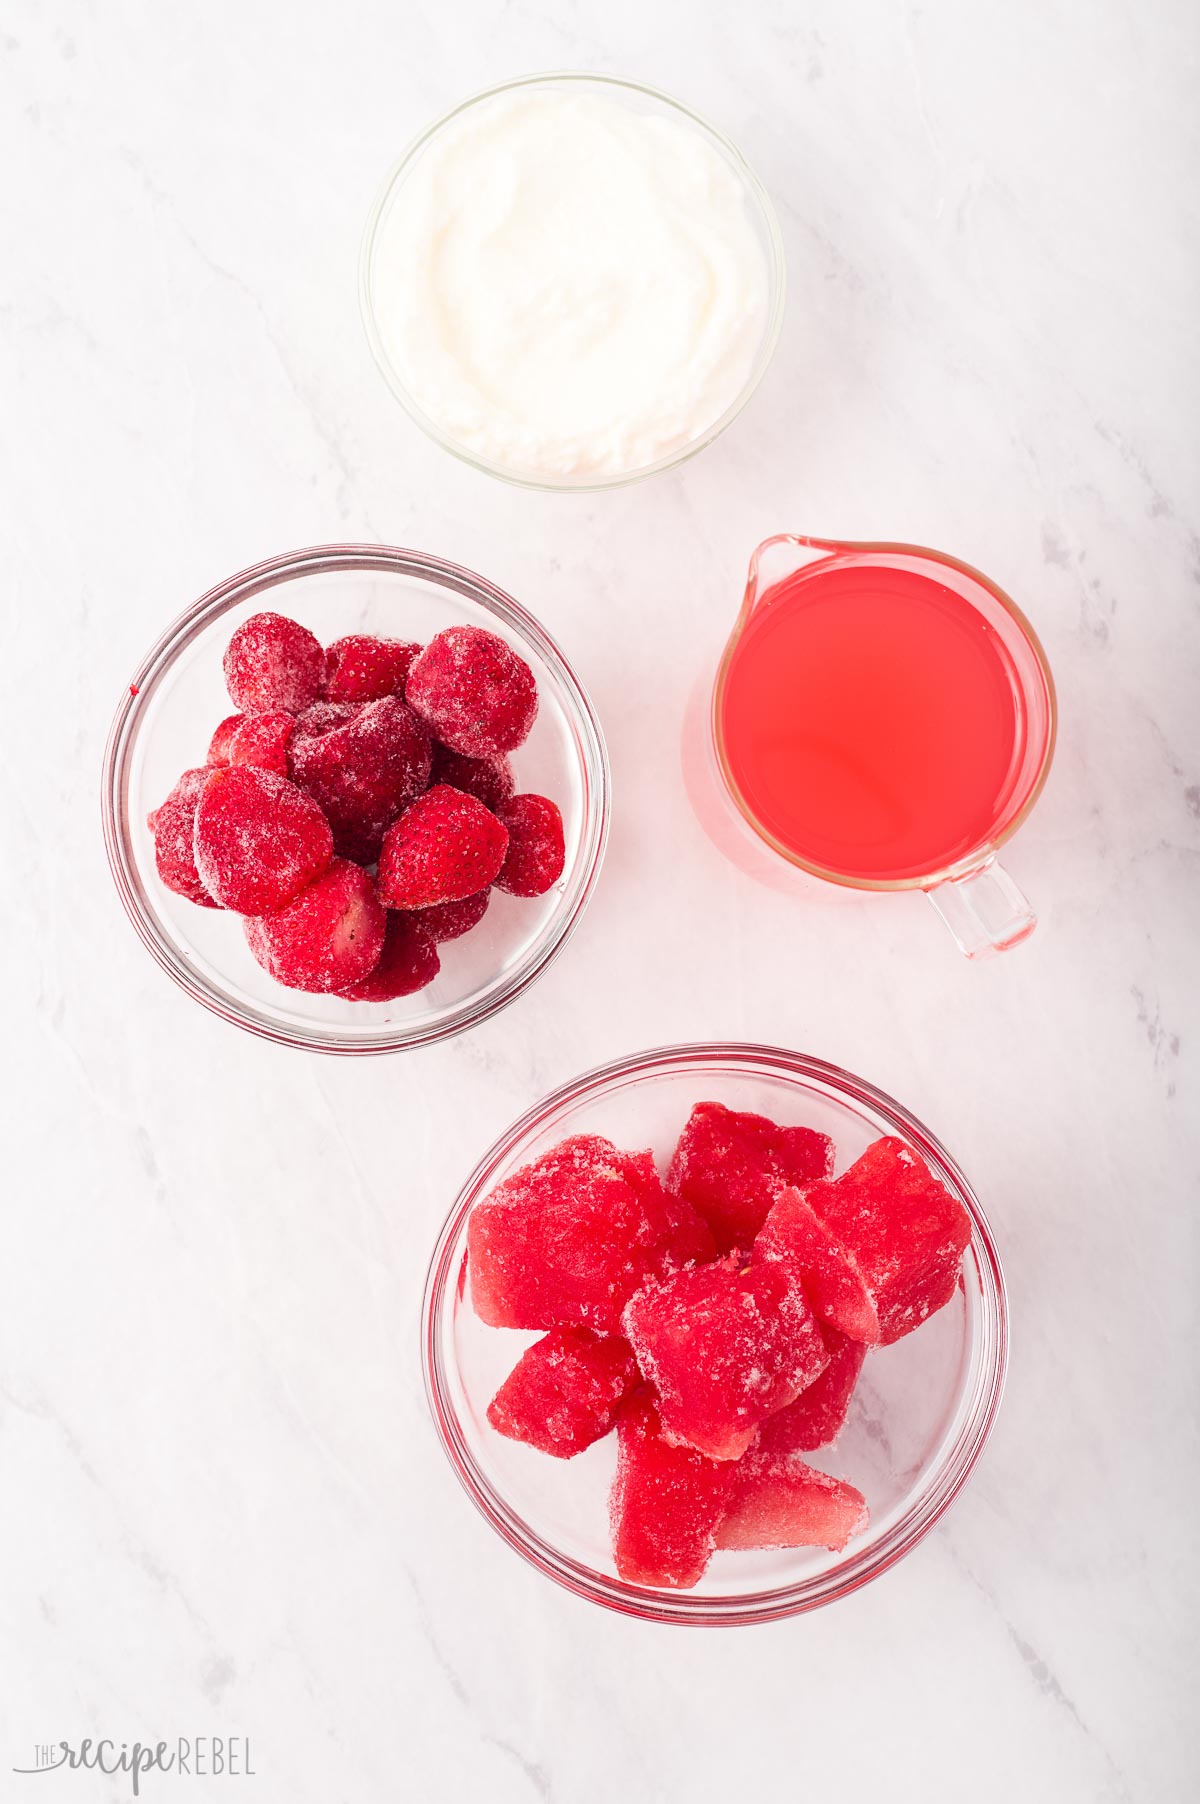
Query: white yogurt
[[568, 288]]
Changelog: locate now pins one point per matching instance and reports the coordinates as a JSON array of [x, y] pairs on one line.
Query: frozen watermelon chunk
[[888, 1248], [815, 1419], [731, 1166], [666, 1501], [564, 1391], [794, 1235], [724, 1346], [781, 1501], [569, 1238]]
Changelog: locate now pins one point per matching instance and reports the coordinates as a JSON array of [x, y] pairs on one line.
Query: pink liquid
[[872, 721]]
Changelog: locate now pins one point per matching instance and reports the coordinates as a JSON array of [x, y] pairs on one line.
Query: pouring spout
[[778, 558]]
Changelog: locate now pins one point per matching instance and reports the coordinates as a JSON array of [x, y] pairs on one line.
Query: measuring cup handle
[[984, 910]]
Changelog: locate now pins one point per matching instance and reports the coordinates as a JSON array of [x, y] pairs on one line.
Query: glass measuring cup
[[883, 718]]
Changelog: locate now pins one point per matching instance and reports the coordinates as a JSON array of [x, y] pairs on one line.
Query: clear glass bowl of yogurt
[[572, 281]]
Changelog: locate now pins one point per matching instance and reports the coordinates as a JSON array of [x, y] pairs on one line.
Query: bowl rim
[[924, 1509], [757, 195], [267, 575]]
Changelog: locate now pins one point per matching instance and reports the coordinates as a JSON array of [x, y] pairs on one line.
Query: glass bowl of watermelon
[[259, 879], [715, 1334]]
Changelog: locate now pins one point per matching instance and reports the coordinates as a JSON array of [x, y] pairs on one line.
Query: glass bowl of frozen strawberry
[[355, 799], [715, 1334]]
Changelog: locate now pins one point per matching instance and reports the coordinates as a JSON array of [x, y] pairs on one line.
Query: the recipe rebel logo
[[200, 1756]]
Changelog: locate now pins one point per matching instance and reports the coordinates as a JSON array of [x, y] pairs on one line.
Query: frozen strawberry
[[409, 962], [272, 662], [535, 856], [666, 1503], [779, 1501], [328, 937], [218, 745], [362, 771], [258, 839], [879, 1249], [173, 826], [361, 840], [564, 1391], [445, 847], [815, 1419], [362, 668], [263, 740], [489, 780], [836, 1289], [323, 717], [450, 920], [724, 1347], [570, 1237], [474, 692], [731, 1166]]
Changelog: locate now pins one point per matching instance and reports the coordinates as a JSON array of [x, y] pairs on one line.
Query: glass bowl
[[919, 1419], [760, 213], [175, 700]]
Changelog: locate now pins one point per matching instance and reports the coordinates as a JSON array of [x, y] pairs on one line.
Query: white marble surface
[[222, 1505]]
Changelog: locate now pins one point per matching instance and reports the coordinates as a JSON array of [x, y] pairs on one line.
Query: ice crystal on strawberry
[[535, 856], [173, 827], [263, 740], [258, 839], [450, 920], [489, 780], [473, 690], [409, 962], [363, 771], [363, 668], [272, 662], [222, 739], [444, 848], [327, 937]]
